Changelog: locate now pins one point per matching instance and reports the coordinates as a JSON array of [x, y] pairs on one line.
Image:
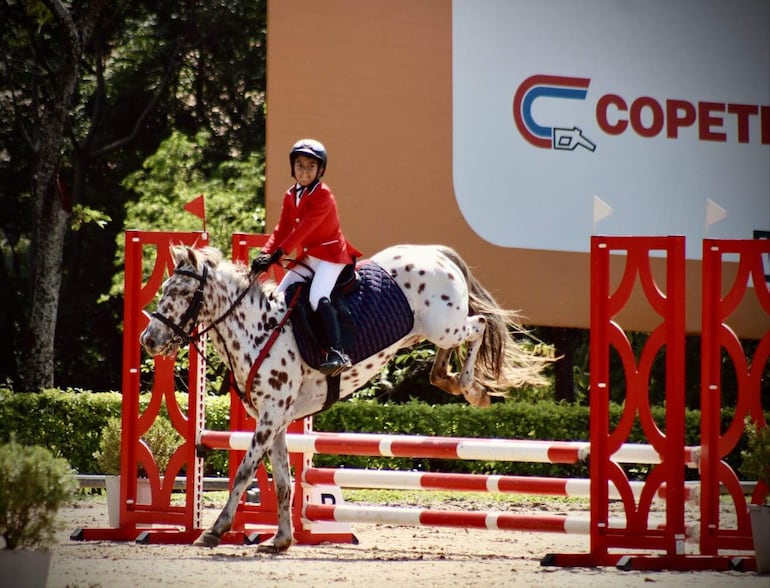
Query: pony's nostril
[[146, 340]]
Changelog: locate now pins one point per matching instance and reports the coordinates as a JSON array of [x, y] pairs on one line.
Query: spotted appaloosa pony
[[451, 309]]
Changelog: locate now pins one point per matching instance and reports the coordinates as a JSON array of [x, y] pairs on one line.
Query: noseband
[[191, 314]]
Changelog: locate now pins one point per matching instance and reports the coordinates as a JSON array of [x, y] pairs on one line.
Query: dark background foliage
[[149, 69]]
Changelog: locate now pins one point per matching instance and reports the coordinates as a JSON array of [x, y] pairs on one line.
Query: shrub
[[108, 454], [33, 486], [162, 439], [756, 457]]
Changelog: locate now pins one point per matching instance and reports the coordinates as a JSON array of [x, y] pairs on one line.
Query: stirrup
[[335, 363]]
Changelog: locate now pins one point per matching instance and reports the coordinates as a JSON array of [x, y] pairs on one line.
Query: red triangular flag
[[197, 206]]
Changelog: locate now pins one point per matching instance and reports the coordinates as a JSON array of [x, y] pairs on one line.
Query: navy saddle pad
[[378, 309]]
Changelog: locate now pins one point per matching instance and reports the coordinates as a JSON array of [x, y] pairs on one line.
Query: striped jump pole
[[530, 485], [368, 444], [418, 517]]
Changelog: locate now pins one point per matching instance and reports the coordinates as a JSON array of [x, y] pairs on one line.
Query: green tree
[[175, 174], [88, 90], [54, 92]]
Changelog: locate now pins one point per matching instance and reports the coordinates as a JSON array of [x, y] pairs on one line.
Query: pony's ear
[[181, 254], [177, 253], [192, 257]]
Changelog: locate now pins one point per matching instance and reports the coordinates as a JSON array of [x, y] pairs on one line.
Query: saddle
[[373, 313]]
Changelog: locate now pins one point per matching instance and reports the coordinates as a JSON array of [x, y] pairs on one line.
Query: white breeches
[[324, 276]]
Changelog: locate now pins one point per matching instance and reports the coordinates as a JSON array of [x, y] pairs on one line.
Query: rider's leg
[[299, 273], [326, 275]]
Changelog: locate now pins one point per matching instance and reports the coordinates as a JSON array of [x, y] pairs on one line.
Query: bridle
[[191, 316], [193, 309]]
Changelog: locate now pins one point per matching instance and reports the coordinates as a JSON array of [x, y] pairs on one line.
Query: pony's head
[[181, 301]]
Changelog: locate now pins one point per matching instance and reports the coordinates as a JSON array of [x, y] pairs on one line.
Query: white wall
[[672, 99]]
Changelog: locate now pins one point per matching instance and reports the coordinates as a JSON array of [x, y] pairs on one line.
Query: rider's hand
[[264, 260]]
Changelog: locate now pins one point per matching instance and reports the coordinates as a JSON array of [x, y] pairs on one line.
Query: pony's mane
[[209, 255], [213, 257], [195, 256]]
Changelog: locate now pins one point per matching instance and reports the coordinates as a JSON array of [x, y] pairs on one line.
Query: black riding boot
[[336, 359]]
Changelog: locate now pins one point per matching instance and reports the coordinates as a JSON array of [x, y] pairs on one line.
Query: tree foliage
[[88, 91], [174, 175]]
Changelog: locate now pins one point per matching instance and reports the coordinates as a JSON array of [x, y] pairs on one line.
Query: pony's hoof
[[207, 540], [272, 549]]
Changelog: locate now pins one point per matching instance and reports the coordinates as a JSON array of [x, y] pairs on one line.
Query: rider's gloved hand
[[264, 260]]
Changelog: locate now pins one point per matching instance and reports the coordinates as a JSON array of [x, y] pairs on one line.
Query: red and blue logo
[[644, 116], [539, 135]]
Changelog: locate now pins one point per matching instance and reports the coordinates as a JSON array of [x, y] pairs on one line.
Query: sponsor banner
[[615, 117]]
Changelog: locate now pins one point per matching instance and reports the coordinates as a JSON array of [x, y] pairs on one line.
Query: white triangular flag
[[601, 210], [714, 212]]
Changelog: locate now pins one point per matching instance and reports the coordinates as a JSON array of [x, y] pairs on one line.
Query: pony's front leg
[[279, 460], [261, 439]]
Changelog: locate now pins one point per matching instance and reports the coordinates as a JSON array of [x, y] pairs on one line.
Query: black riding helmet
[[311, 148]]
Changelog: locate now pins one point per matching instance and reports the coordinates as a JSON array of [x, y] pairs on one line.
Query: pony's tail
[[502, 362]]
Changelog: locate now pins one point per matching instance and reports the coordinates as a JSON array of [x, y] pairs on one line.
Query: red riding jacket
[[312, 227]]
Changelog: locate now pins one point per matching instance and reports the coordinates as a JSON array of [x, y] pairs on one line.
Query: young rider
[[309, 226]]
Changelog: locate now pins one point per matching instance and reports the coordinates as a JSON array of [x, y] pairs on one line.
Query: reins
[[191, 314], [266, 348], [228, 312]]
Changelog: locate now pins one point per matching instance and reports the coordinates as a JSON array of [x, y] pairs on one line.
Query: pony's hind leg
[[463, 383], [440, 375], [262, 437], [279, 459], [473, 393]]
